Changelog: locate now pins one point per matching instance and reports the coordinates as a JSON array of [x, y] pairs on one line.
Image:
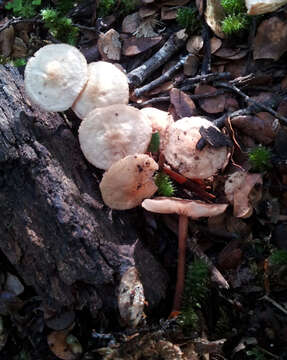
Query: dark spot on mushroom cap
[[140, 169], [178, 138], [184, 132], [117, 114], [196, 158], [139, 186], [147, 163], [175, 155]]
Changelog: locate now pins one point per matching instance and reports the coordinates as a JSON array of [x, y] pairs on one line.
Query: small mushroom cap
[[128, 182], [181, 153], [160, 121], [55, 76], [110, 133], [107, 85], [193, 208], [258, 7]]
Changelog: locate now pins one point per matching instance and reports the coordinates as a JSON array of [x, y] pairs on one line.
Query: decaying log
[[54, 228]]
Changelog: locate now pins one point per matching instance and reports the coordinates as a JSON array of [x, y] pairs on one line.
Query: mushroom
[[129, 181], [184, 208], [110, 133], [160, 121], [181, 153], [107, 85], [55, 76], [258, 7]]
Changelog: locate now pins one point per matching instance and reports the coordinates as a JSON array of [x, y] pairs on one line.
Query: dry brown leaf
[[162, 88], [190, 66], [182, 103], [194, 44], [134, 45], [230, 256], [6, 39], [131, 23], [20, 49], [215, 44], [109, 45], [168, 13], [57, 344], [257, 7], [147, 11], [214, 14], [262, 127], [175, 2], [282, 108], [271, 39], [231, 53], [212, 105], [240, 190]]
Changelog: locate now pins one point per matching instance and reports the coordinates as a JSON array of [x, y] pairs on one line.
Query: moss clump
[[187, 17], [260, 158], [60, 27], [278, 257], [236, 19], [195, 294], [124, 7], [164, 184]]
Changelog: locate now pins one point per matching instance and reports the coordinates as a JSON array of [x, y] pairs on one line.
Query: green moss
[[106, 7], [60, 27], [23, 8], [260, 158], [233, 6], [188, 19], [164, 184], [278, 257], [195, 293], [234, 23]]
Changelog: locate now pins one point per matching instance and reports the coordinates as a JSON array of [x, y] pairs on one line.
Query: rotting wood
[[54, 228]]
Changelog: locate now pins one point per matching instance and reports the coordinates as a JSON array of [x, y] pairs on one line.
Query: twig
[[15, 21], [160, 80], [283, 119], [273, 302], [206, 78], [173, 44]]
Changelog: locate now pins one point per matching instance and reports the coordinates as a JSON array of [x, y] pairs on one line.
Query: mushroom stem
[[182, 237]]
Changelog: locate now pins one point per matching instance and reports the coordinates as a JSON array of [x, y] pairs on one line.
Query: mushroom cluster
[[115, 137]]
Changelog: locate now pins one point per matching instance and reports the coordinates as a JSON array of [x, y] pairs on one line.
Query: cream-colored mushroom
[[129, 181], [110, 133], [55, 76], [181, 153], [107, 85], [184, 208]]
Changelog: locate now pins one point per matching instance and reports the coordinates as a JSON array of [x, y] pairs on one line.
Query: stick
[[175, 42], [160, 80]]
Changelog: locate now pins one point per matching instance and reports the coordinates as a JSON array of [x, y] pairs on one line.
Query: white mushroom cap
[[110, 133], [129, 181], [181, 153], [55, 76], [193, 208], [107, 85], [160, 121], [257, 7]]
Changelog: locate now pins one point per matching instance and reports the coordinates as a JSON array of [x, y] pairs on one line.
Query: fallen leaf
[[230, 256], [135, 45], [212, 105], [262, 126], [258, 7], [271, 39], [14, 285], [109, 45], [168, 13], [131, 23], [238, 189], [6, 39], [215, 44], [190, 66], [183, 104], [147, 11], [231, 53], [194, 44]]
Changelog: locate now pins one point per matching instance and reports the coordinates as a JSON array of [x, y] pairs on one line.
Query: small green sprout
[[233, 6], [154, 143], [164, 184], [260, 158], [278, 257], [188, 19], [234, 23], [106, 7], [19, 62]]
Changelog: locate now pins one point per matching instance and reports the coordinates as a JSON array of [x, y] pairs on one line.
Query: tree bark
[[54, 228]]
